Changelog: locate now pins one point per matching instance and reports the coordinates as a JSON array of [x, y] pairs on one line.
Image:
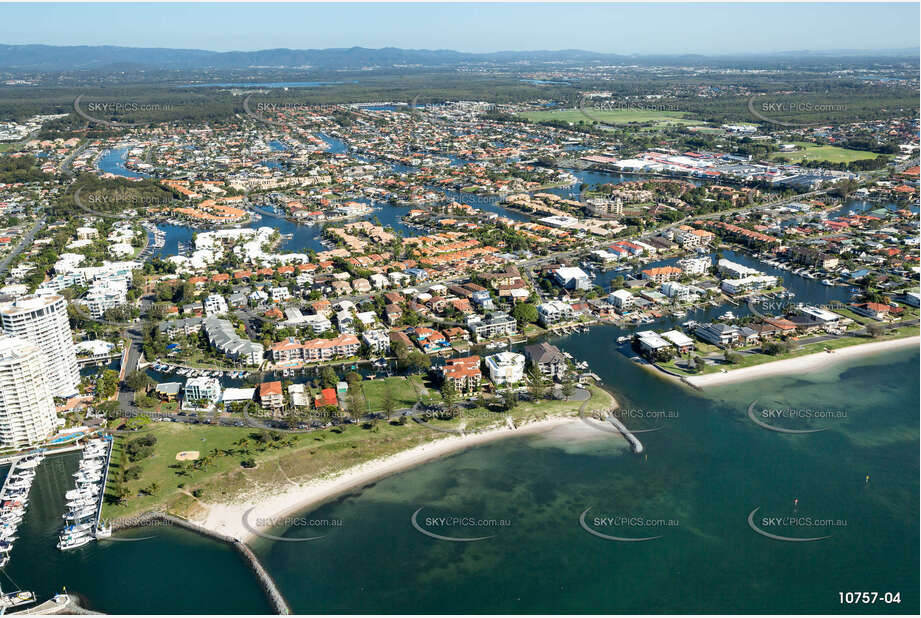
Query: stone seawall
[[156, 518]]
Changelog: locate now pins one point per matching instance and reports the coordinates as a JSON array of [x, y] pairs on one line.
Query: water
[[113, 162], [175, 572], [707, 469]]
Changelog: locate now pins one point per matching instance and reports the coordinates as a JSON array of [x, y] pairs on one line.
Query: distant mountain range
[[107, 58]]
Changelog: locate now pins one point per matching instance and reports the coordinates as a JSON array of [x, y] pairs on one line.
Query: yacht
[[15, 598], [827, 282], [74, 541], [727, 316], [80, 513]]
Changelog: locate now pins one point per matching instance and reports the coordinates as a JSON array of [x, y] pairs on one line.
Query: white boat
[[79, 513], [73, 543], [827, 282], [727, 316], [15, 598]]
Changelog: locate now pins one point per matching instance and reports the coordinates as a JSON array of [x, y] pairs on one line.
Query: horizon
[[501, 27]]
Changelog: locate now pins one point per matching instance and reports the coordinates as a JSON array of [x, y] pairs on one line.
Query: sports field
[[610, 116], [814, 152]]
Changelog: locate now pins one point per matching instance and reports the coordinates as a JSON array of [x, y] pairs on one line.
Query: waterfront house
[[548, 359], [505, 368], [271, 395], [463, 374]]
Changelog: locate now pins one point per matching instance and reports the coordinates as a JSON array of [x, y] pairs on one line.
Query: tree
[[699, 363], [732, 357], [510, 398], [875, 330], [137, 381], [525, 313], [417, 361], [449, 397], [387, 402], [328, 377], [538, 391]]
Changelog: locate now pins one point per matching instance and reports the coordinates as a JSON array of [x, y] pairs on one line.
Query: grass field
[[611, 116], [291, 458], [813, 152]]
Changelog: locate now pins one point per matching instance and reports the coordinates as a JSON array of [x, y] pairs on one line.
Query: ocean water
[[706, 467]]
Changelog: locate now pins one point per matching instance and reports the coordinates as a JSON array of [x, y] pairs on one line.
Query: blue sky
[[615, 28]]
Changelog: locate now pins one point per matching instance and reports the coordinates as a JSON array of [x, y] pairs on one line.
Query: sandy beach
[[802, 364], [268, 510]]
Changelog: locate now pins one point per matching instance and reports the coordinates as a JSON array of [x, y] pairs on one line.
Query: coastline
[[801, 364], [261, 512]]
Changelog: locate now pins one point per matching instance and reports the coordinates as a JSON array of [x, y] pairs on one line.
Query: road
[[24, 242]]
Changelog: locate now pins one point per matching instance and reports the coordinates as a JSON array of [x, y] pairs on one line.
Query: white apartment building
[[694, 266], [27, 414], [378, 341], [105, 295], [42, 321], [732, 270], [215, 305], [505, 368], [202, 389]]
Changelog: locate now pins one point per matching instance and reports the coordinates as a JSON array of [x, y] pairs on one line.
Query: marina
[[14, 500], [84, 503]]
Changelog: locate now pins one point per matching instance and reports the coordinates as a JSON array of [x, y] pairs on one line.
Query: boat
[[727, 316], [15, 598], [827, 282], [79, 513], [74, 542]]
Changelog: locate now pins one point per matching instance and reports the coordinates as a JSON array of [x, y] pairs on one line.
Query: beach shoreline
[[248, 518], [800, 364]]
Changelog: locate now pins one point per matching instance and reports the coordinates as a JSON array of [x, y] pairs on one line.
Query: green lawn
[[293, 458], [610, 116], [814, 152], [404, 391]]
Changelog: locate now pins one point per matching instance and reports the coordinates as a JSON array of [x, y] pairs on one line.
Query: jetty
[[635, 443], [156, 518]]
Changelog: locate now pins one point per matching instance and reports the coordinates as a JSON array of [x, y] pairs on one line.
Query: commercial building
[[27, 414], [42, 320]]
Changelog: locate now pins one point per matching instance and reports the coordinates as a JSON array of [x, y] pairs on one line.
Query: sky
[[614, 28]]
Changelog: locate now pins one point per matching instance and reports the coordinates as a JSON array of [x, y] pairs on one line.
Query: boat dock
[[83, 517], [14, 499], [104, 531], [635, 443]]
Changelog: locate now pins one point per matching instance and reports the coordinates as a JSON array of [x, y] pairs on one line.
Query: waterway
[[706, 467], [113, 162]]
